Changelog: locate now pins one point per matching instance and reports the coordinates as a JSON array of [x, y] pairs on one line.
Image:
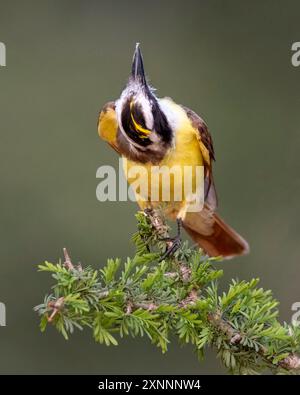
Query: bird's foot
[[173, 243]]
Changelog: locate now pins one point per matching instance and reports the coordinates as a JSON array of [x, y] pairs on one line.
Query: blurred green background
[[230, 62]]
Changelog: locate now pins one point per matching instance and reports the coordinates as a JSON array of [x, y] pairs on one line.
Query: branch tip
[[68, 263], [292, 362], [56, 305]]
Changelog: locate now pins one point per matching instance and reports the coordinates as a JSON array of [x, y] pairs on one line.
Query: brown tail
[[215, 237]]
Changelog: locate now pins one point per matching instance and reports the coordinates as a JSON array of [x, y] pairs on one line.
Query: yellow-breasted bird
[[147, 131]]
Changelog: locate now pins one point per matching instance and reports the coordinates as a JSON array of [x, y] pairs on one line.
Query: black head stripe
[[161, 124], [129, 126]]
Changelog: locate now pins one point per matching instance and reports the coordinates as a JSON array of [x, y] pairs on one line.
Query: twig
[[190, 299], [146, 306], [56, 305], [68, 263], [291, 362], [157, 222]]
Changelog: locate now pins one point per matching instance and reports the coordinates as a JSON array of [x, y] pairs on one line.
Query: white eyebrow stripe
[[146, 108], [173, 117]]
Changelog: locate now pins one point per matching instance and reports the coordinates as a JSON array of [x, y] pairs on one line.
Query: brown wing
[[108, 125], [207, 149], [206, 228]]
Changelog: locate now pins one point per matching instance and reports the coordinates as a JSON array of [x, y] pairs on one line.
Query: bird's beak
[[137, 71]]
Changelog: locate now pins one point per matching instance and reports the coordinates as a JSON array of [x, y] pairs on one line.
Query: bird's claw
[[175, 243]]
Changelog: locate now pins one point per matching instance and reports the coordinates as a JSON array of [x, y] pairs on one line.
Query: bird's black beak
[[137, 71]]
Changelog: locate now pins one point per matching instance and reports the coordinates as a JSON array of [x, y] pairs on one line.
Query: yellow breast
[[185, 152]]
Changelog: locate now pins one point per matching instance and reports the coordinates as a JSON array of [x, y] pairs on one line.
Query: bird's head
[[141, 121]]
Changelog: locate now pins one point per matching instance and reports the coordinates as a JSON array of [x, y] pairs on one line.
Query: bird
[[149, 131]]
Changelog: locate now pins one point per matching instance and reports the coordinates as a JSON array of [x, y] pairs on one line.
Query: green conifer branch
[[148, 297]]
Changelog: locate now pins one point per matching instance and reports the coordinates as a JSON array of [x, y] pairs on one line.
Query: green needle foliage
[[147, 296]]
